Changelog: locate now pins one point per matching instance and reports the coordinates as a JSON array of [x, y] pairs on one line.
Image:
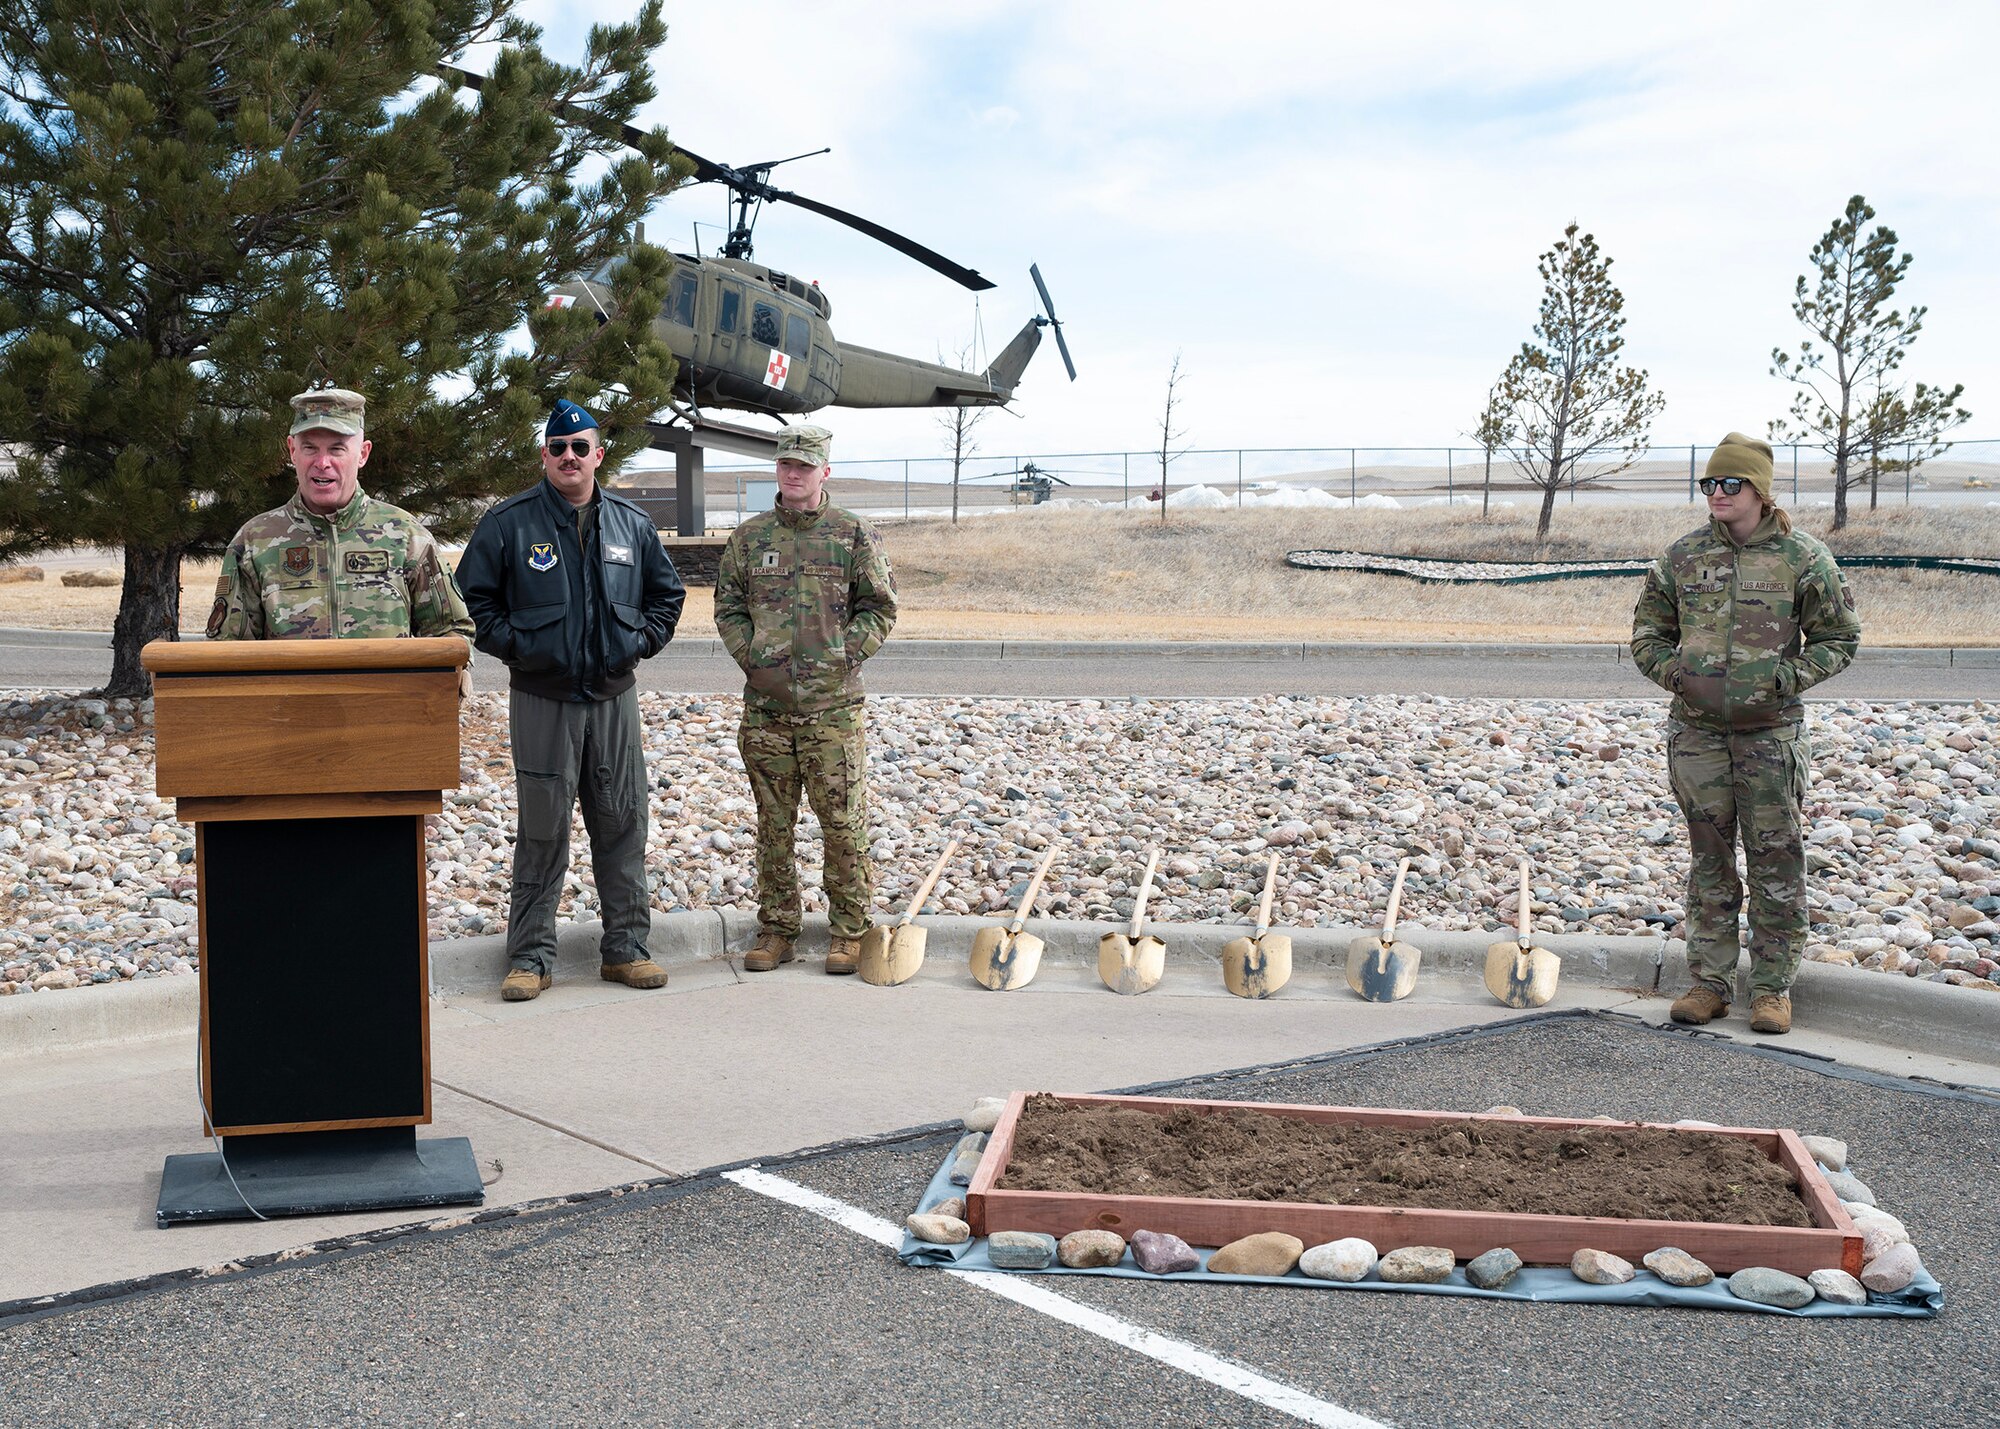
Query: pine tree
[[1854, 342], [207, 207], [1577, 414]]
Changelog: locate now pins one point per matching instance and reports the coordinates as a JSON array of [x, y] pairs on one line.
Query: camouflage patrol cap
[[800, 443], [1747, 457], [330, 409]]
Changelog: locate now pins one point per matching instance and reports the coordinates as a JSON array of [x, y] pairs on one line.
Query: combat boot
[[640, 973], [1700, 1003], [1771, 1012], [523, 985], [843, 955], [772, 949]]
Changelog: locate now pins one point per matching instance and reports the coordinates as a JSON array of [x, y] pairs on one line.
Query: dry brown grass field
[[1220, 575]]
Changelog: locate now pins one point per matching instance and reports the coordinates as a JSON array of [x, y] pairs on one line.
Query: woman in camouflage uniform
[[1738, 619]]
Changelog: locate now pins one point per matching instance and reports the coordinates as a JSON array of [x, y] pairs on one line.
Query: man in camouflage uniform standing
[[1738, 619], [804, 595], [333, 561]]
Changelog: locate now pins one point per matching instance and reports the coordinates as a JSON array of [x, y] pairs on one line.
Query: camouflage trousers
[[825, 756], [1752, 785]]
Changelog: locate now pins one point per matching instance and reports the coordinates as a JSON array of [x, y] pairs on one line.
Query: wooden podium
[[306, 767]]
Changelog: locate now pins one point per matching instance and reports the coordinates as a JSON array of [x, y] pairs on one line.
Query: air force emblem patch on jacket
[[542, 556]]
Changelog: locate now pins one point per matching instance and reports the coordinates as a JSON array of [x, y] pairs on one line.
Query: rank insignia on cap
[[542, 556], [298, 560]]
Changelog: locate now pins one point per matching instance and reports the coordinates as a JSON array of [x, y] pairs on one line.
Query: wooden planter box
[[1538, 1240]]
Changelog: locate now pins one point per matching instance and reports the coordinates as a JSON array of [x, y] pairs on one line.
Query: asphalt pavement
[[694, 1300], [81, 660]]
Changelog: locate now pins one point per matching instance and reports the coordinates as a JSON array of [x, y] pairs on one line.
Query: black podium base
[[319, 1173]]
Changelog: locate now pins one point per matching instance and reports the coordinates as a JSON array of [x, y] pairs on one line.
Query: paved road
[[702, 1301], [80, 660]]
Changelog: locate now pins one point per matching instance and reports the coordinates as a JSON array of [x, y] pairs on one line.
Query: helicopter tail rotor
[[1049, 307]]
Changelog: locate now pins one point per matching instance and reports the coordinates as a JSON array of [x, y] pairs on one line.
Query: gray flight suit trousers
[[563, 751]]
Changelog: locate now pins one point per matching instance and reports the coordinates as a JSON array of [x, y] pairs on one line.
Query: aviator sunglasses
[[1730, 485], [582, 446]]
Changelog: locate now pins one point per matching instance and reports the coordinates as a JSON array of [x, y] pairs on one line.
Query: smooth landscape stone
[[1878, 1240], [1830, 1153], [1417, 1265], [953, 1206], [965, 1158], [1090, 1250], [1348, 1259], [1600, 1267], [939, 1230], [1837, 1287], [1893, 1271], [985, 1113], [1865, 1216], [1021, 1250], [1677, 1267], [1494, 1269], [1266, 1253], [1160, 1254], [1503, 1110], [1761, 1285], [1848, 1188]]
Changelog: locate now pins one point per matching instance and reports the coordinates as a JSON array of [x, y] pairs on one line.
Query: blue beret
[[567, 420]]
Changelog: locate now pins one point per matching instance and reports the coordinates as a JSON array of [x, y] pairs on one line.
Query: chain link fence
[[922, 488]]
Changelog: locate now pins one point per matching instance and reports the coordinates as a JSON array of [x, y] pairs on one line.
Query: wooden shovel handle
[[1034, 887], [1145, 887], [924, 889], [1522, 915], [1395, 902], [1270, 887]]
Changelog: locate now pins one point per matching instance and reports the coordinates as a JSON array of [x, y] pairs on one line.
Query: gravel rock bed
[[97, 885]]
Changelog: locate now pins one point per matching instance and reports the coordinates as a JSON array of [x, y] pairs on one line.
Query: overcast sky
[[1333, 212]]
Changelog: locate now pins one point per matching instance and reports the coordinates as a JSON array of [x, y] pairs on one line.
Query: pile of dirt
[[1627, 1172]]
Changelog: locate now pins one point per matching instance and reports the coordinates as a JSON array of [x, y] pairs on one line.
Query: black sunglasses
[[582, 446], [1730, 485]]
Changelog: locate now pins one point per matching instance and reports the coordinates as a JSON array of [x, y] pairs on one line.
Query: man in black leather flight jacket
[[569, 586]]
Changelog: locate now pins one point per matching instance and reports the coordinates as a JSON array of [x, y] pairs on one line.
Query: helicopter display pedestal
[[688, 443]]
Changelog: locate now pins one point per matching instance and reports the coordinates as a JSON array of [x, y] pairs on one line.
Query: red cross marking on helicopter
[[774, 375]]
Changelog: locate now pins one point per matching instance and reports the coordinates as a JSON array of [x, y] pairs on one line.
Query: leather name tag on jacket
[[367, 563], [1776, 586], [618, 555]]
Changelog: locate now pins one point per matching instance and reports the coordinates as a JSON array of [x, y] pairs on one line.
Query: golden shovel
[[1006, 958], [1381, 969], [892, 952], [1259, 965], [1129, 963], [1518, 973]]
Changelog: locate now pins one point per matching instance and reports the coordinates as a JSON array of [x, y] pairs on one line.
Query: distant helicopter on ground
[[1031, 484], [755, 339]]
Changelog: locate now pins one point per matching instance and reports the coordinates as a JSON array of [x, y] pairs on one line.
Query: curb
[[1872, 1007]]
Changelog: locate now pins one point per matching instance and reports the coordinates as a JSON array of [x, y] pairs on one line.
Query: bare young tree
[[1578, 414], [1898, 433], [1169, 433], [1493, 431], [958, 423], [1854, 342]]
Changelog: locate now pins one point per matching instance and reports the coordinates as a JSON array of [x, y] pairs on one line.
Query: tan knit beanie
[[1747, 457]]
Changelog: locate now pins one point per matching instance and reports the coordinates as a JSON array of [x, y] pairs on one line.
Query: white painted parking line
[[1176, 1354]]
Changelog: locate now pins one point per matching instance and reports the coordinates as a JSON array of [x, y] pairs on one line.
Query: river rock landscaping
[[97, 877]]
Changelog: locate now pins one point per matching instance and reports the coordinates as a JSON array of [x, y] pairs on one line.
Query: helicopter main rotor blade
[[1049, 307], [909, 247]]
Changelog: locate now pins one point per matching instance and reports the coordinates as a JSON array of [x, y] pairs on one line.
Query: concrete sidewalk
[[594, 1085]]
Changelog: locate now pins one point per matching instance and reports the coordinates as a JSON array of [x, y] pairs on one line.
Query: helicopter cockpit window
[[764, 324], [798, 335], [603, 272], [732, 303], [681, 309]]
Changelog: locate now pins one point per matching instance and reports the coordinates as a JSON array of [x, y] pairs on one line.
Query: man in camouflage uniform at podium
[[1738, 619], [333, 561], [804, 595]]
